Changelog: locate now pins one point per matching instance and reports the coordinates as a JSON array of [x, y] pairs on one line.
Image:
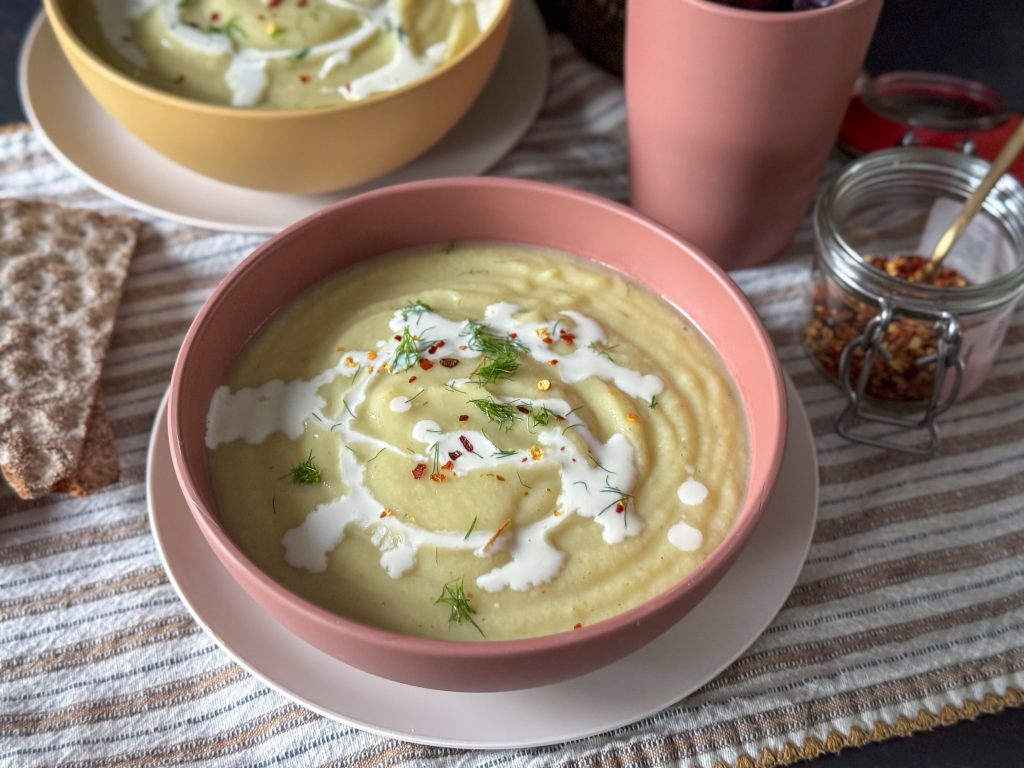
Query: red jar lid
[[931, 110]]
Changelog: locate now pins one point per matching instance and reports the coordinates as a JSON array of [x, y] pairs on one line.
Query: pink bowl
[[474, 209]]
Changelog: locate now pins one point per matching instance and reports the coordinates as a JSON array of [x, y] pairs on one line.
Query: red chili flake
[[500, 477], [397, 337], [304, 78], [523, 460], [548, 340], [273, 3], [214, 16], [439, 477], [464, 417], [465, 443], [425, 364], [620, 507], [301, 3], [552, 362], [179, 80], [566, 336], [412, 379], [418, 471], [522, 409], [577, 625], [448, 465], [432, 349], [449, 362], [440, 343], [453, 455], [513, 335]]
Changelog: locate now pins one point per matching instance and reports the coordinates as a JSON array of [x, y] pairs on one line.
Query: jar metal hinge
[[859, 409]]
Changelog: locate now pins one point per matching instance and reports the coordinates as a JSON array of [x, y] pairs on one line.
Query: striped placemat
[[909, 612]]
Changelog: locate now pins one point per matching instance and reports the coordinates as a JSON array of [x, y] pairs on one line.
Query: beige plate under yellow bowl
[[94, 146], [671, 667]]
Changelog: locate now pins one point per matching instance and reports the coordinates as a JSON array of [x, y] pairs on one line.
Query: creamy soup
[[478, 440], [281, 53]]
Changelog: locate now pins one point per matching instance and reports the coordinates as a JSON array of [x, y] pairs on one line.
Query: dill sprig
[[232, 27], [604, 350], [654, 403], [416, 308], [407, 353], [502, 414], [435, 458], [304, 472], [500, 454], [539, 418], [453, 594], [300, 54], [621, 498], [471, 527], [500, 353], [499, 368]]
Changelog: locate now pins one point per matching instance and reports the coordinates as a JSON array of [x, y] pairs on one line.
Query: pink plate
[[645, 682]]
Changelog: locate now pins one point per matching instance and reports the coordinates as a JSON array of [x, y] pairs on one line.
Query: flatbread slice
[[61, 275]]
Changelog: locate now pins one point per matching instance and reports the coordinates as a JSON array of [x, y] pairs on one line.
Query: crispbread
[[98, 465], [61, 273]]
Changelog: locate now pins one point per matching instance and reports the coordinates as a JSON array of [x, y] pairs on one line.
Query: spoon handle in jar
[[999, 166]]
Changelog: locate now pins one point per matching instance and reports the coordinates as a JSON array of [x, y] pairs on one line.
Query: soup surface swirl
[[478, 440]]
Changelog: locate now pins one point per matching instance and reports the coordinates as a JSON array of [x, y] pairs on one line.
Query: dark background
[[978, 39]]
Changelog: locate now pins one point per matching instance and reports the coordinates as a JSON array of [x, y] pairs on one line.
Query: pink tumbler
[[732, 113]]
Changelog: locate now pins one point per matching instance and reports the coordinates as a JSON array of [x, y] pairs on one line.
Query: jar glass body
[[935, 344]]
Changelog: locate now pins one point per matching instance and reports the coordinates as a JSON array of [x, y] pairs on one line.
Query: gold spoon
[[1003, 160]]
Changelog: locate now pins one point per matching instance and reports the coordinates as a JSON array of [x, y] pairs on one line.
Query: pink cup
[[732, 113]]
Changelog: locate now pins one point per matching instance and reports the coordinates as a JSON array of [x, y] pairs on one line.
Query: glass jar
[[904, 351]]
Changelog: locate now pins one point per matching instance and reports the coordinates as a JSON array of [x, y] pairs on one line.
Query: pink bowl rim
[[428, 648]]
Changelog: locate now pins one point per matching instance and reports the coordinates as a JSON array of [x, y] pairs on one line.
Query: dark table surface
[[981, 40]]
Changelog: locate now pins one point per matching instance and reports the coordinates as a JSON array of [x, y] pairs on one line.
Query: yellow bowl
[[293, 151]]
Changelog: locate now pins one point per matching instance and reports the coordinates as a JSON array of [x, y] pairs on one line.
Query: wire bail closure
[[859, 410]]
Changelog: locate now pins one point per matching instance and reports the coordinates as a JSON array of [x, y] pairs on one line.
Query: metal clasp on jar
[[859, 409]]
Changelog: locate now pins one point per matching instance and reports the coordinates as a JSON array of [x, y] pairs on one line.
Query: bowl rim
[[65, 31], [705, 574]]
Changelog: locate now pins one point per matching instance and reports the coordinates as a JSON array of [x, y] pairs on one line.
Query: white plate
[[80, 134], [708, 639]]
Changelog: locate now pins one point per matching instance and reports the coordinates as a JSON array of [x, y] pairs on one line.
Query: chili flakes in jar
[[905, 371]]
